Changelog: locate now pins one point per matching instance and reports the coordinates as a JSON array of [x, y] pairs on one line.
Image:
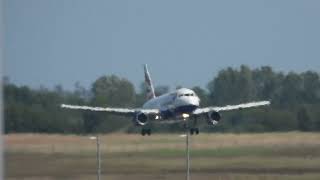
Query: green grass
[[213, 156]]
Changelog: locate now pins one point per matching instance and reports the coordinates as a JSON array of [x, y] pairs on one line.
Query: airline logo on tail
[[150, 89]]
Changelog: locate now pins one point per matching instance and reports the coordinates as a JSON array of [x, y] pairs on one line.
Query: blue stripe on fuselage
[[185, 109]]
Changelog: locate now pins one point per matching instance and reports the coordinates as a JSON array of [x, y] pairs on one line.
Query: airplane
[[179, 105]]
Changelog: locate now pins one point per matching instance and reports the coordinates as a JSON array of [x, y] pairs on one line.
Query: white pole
[[98, 158], [187, 152]]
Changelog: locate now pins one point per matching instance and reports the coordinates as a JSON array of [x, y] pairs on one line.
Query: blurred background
[[92, 52]]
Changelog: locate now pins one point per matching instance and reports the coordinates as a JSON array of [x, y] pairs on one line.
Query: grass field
[[266, 156]]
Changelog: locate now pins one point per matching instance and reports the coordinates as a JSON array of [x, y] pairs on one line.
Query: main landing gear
[[194, 131], [145, 132]]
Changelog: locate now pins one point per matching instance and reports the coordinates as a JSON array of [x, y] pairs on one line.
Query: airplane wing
[[118, 111], [231, 107]]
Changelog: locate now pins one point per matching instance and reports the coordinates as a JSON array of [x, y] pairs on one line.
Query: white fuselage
[[175, 103]]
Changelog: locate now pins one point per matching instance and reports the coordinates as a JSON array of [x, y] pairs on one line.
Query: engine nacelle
[[140, 119], [213, 117]]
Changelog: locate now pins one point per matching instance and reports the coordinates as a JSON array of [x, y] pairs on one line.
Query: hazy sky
[[184, 42]]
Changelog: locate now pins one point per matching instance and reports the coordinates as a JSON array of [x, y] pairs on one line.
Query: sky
[[185, 43]]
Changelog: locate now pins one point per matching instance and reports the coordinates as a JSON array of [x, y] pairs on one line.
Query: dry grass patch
[[266, 156]]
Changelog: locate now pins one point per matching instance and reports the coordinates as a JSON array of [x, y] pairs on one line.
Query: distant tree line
[[295, 99]]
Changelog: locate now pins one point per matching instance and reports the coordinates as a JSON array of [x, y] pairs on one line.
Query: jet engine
[[140, 119], [213, 117]]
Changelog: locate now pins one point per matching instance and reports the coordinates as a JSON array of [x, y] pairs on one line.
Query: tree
[[311, 87], [113, 91], [304, 121], [295, 103], [109, 91], [232, 86], [81, 91], [291, 91], [267, 82], [159, 90], [221, 88]]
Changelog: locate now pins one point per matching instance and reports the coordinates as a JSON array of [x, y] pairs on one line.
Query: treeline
[[295, 99]]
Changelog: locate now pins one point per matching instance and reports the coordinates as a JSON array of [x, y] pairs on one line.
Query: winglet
[[150, 89]]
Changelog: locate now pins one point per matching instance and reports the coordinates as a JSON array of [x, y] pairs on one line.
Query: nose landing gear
[[192, 126], [194, 129]]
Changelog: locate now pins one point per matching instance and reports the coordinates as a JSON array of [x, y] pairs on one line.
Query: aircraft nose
[[189, 101], [195, 101]]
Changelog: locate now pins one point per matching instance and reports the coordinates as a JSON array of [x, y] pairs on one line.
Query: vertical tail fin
[[150, 89]]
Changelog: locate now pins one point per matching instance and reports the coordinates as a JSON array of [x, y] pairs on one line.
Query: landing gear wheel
[[196, 130], [143, 132], [191, 131], [146, 132]]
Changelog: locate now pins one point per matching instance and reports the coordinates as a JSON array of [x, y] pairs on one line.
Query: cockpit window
[[189, 94]]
